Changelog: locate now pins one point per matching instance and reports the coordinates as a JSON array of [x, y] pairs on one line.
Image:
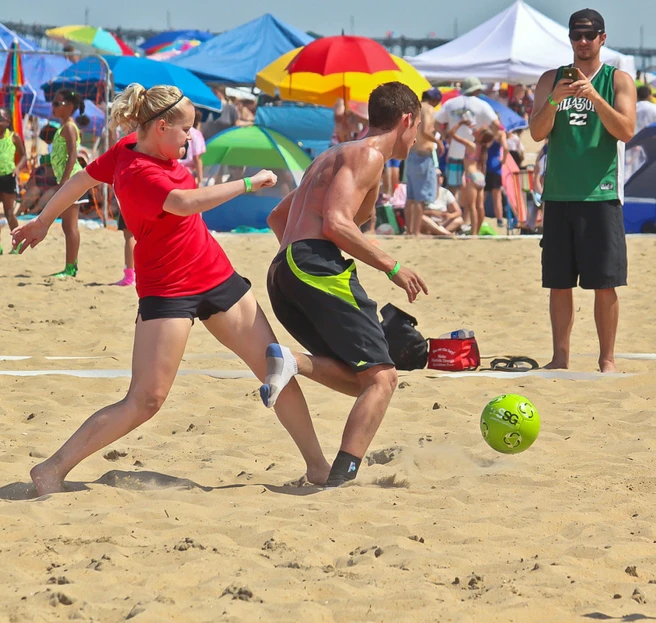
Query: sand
[[189, 519]]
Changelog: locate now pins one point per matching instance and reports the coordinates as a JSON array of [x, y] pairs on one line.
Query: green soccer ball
[[510, 423]]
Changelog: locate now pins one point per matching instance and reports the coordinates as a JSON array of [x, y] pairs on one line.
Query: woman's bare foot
[[318, 476], [556, 365], [607, 365], [46, 479]]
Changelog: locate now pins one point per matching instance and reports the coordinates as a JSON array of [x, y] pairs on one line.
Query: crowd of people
[[452, 174], [461, 149]]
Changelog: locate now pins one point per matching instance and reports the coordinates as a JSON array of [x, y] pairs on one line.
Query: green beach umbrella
[[254, 146]]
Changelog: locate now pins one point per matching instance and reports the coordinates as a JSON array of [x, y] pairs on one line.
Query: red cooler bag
[[453, 355]]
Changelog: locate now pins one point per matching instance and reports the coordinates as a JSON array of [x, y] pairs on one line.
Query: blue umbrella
[[88, 78], [509, 118]]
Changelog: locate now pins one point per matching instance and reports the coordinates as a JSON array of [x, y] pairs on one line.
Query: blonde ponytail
[[136, 107]]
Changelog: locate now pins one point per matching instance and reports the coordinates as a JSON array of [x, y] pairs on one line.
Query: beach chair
[[517, 184]]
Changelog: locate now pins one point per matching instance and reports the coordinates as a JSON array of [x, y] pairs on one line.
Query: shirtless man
[[315, 292], [420, 167]]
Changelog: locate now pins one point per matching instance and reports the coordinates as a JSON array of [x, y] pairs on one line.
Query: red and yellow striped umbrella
[[11, 92]]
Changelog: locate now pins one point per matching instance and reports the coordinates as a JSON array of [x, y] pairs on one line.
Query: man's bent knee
[[384, 376]]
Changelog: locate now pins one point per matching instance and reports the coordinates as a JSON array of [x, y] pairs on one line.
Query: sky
[[371, 18]]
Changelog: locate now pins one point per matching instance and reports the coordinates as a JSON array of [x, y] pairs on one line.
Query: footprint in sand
[[273, 545], [61, 598], [114, 455], [362, 551], [384, 456], [98, 565], [240, 592], [188, 543]]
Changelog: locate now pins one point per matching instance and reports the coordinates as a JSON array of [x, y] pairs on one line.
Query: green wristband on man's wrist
[[392, 273], [552, 102], [248, 184]]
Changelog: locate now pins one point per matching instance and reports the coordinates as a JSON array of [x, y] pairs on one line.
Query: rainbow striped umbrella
[[91, 39], [164, 41], [169, 51], [11, 93]]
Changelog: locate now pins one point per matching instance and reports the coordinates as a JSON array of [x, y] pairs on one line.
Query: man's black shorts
[[201, 306], [316, 295], [584, 242]]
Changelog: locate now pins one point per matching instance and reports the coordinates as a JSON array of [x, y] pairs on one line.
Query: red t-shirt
[[174, 255]]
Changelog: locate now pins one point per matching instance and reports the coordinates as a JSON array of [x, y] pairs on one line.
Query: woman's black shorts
[[201, 306]]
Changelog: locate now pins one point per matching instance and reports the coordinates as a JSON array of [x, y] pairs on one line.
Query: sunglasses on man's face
[[589, 35], [57, 104]]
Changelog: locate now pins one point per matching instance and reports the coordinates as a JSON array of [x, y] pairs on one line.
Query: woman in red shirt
[[182, 274]]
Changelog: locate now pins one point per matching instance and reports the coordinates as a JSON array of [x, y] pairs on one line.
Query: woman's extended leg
[[158, 349]]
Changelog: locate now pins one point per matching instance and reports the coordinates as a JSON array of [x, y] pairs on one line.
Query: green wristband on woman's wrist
[[392, 273], [248, 184], [552, 102]]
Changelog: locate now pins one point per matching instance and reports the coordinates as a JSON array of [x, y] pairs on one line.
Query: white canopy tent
[[516, 46]]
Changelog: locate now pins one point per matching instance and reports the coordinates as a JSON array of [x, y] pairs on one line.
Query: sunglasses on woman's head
[[577, 35]]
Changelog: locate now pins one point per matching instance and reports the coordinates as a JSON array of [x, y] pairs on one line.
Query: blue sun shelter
[[235, 56], [241, 152], [640, 193]]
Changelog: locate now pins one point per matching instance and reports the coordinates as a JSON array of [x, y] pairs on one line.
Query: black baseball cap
[[587, 15]]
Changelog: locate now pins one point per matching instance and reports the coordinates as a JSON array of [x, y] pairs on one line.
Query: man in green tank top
[[587, 111]]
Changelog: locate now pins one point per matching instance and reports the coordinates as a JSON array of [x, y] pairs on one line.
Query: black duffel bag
[[407, 347]]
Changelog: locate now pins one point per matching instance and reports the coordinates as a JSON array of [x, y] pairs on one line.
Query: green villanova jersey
[[584, 161]]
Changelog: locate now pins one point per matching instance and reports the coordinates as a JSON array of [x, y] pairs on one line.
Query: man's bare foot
[[318, 476], [46, 479], [607, 365], [556, 365]]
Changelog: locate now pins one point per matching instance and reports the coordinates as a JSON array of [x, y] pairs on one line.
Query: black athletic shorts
[[584, 242], [316, 295], [8, 184], [201, 306], [492, 180], [121, 223]]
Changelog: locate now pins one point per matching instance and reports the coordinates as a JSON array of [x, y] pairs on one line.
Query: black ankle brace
[[345, 468]]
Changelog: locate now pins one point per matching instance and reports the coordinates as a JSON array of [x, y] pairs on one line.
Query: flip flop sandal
[[514, 364]]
